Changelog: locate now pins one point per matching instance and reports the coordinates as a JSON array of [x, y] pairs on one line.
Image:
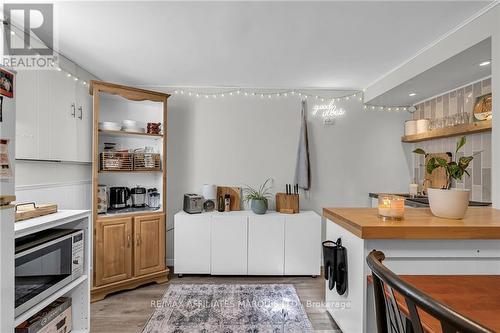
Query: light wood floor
[[127, 312]]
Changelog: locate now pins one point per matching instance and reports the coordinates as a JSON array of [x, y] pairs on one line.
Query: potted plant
[[258, 198], [447, 202]]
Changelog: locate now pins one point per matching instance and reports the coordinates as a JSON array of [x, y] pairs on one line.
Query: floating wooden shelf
[[477, 127], [136, 134]]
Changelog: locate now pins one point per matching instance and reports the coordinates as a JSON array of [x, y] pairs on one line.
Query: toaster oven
[[193, 203]]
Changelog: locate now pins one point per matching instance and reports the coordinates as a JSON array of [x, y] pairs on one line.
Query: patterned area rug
[[229, 308]]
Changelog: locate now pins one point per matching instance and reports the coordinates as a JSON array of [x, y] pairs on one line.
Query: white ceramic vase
[[449, 204]]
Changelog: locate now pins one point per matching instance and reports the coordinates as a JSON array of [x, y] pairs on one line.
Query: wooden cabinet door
[[113, 251], [149, 240]]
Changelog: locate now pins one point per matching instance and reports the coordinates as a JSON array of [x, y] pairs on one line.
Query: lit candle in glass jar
[[391, 207]]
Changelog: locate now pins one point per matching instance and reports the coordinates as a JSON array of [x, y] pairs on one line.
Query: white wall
[[244, 140], [66, 184]]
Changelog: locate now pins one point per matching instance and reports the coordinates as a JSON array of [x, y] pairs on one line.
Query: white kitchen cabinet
[[303, 244], [229, 245], [84, 118], [26, 116], [192, 244], [243, 243], [266, 243], [63, 136], [54, 117]]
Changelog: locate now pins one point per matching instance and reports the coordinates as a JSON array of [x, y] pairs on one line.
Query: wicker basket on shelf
[[116, 161], [147, 162]]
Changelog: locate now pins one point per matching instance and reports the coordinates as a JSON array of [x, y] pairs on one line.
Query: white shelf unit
[[79, 289]]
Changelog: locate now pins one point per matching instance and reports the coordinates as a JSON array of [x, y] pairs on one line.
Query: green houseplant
[[447, 202], [258, 198]]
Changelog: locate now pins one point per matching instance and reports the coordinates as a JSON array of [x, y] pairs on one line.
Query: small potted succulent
[[259, 199], [447, 202]]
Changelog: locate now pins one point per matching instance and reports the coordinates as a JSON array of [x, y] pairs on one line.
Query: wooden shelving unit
[[129, 249], [477, 127]]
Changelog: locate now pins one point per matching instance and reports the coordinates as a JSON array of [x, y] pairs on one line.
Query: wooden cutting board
[[30, 210], [438, 177], [235, 194]]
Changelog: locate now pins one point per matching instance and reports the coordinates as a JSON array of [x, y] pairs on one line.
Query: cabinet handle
[[138, 239], [81, 112], [73, 113], [129, 239]]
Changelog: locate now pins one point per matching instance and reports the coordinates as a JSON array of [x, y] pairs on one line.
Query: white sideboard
[[244, 243]]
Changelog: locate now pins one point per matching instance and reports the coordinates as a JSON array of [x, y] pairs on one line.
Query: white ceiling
[[251, 44], [454, 72]]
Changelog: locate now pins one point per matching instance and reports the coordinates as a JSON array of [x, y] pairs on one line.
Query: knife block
[[287, 203]]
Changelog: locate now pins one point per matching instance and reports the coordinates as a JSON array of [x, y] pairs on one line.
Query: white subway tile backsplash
[[460, 100], [477, 193], [486, 86]]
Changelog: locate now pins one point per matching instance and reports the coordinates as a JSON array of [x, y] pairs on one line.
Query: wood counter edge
[[343, 222], [414, 233]]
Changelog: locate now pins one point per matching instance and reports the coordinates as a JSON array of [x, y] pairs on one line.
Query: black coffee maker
[[118, 197], [335, 265]]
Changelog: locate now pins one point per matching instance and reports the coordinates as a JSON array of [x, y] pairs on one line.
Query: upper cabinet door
[[63, 136], [84, 117], [26, 114]]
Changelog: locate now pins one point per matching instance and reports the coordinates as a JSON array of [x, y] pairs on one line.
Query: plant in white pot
[[259, 199], [447, 202]]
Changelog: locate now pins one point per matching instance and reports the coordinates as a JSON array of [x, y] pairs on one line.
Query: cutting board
[[30, 210], [235, 194], [438, 177]]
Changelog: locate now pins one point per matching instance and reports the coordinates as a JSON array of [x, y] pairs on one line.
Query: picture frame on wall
[[6, 83]]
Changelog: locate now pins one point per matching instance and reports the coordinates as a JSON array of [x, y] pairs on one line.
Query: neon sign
[[328, 111]]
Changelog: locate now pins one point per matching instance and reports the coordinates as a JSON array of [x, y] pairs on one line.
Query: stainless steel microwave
[[46, 262]]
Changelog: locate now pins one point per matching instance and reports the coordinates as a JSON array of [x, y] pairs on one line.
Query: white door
[[192, 243], [83, 118], [303, 244], [63, 137], [229, 245], [26, 114], [266, 243]]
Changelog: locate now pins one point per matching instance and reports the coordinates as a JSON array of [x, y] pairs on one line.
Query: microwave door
[[40, 271]]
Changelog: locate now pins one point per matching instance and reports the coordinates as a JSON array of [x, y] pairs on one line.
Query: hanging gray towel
[[302, 168]]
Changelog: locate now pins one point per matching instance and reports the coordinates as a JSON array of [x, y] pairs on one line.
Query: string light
[[358, 95]]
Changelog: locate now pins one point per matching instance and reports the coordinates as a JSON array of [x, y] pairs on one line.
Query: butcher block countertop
[[419, 223]]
